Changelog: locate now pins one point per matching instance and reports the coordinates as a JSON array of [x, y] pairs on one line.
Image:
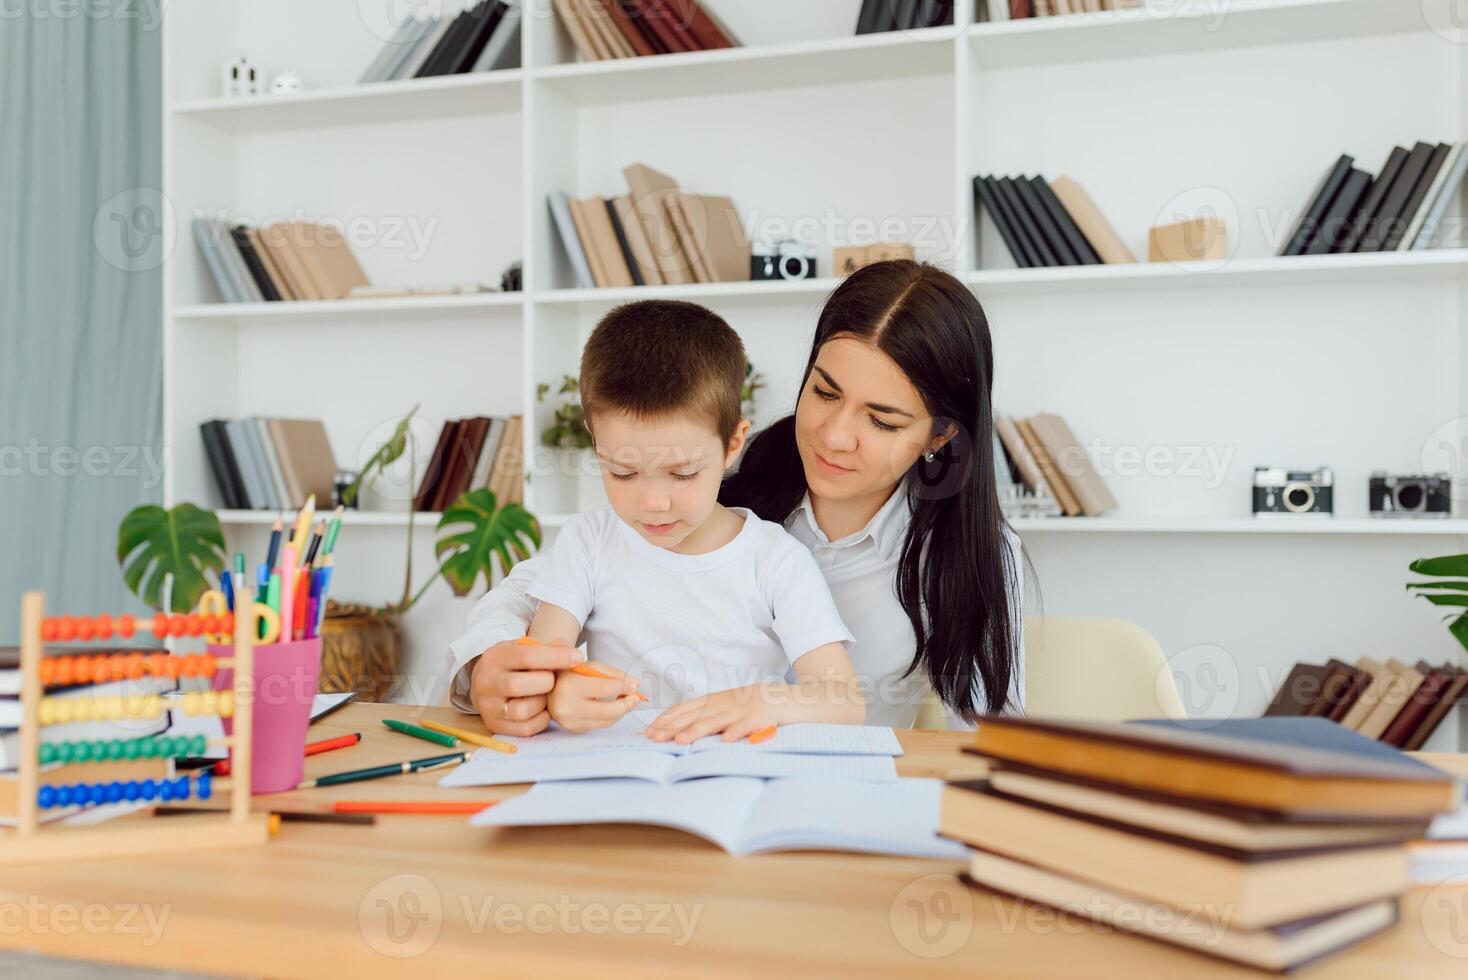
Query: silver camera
[[1302, 493], [782, 260]]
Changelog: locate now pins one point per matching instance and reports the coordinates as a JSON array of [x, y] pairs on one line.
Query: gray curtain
[[81, 251]]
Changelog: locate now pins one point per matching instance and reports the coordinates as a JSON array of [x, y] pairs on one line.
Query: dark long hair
[[955, 562]]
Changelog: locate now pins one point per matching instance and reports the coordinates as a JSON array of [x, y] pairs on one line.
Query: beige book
[[306, 460], [329, 261], [1069, 506], [1369, 698], [598, 40], [276, 237], [506, 479], [268, 259], [301, 237], [1402, 683], [1091, 222], [637, 241], [719, 236], [604, 240], [1074, 465], [1024, 460], [687, 240], [570, 18], [582, 222], [602, 23], [650, 191]]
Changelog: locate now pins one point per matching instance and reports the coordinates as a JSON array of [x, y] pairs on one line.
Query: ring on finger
[[505, 709]]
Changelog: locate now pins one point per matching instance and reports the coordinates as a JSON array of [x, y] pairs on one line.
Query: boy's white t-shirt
[[689, 625]]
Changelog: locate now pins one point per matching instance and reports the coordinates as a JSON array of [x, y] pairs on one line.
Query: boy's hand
[[583, 703], [737, 713], [510, 682]]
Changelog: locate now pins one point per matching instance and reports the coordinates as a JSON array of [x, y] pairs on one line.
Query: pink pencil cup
[[285, 688]]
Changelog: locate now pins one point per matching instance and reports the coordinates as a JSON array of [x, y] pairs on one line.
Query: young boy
[[698, 608]]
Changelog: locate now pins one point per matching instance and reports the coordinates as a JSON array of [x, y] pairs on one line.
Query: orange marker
[[404, 806], [586, 670], [763, 735]]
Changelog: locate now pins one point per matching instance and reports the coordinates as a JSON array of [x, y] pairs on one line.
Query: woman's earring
[[930, 455]]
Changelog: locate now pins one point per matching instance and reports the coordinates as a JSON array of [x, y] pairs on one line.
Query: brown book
[[582, 222], [506, 480], [1279, 948], [276, 236], [1019, 451], [604, 241], [433, 472], [1259, 891], [707, 32], [629, 31], [328, 261], [1456, 691], [1091, 222], [1337, 679], [1074, 465], [687, 241], [306, 459], [635, 18], [1370, 696], [637, 241], [1402, 682], [717, 235], [1347, 695], [1434, 683], [298, 237], [463, 454], [272, 267], [1322, 769], [650, 192], [1299, 693], [659, 16], [1058, 487], [570, 17]]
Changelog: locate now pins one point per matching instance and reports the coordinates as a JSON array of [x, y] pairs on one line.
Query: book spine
[[989, 198]]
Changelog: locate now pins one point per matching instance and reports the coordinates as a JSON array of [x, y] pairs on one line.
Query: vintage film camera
[[1410, 496], [782, 260], [1279, 492]]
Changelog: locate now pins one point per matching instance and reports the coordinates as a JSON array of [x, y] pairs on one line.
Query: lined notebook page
[[627, 735], [487, 767], [770, 765]]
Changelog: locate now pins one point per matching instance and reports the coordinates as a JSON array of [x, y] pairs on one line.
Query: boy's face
[[662, 476]]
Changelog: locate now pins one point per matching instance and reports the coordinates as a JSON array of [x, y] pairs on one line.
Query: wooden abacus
[[40, 786]]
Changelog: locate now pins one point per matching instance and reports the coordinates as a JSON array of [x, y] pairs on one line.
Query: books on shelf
[[483, 37], [471, 454], [1392, 702], [656, 234], [1049, 223], [281, 260], [398, 292], [268, 464], [1043, 455], [880, 16], [1402, 207], [999, 10], [1271, 842], [603, 30]]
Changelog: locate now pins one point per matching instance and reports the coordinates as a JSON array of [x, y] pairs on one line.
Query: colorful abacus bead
[[127, 625], [206, 785]]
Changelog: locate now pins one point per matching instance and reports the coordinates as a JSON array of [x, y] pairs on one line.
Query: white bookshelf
[[1353, 361]]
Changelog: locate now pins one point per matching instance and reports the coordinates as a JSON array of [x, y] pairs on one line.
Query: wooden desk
[[433, 896]]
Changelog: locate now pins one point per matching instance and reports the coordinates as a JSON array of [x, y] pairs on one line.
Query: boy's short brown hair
[[657, 358]]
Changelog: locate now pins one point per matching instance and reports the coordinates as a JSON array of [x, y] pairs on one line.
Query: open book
[[626, 735], [746, 816], [487, 768]]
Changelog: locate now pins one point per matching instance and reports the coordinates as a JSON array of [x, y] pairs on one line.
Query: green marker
[[438, 738]]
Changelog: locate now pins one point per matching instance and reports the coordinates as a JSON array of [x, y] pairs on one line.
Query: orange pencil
[[408, 806], [585, 670], [763, 735]]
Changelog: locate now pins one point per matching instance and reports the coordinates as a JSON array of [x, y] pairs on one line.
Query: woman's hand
[[737, 712], [509, 684], [583, 703]]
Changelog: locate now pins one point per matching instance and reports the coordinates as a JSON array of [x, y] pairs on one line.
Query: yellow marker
[[487, 741], [303, 525]]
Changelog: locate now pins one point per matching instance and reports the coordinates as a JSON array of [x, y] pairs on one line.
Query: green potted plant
[[1450, 590], [361, 642]]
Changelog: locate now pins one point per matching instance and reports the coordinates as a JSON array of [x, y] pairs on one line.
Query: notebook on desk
[[626, 735], [487, 768]]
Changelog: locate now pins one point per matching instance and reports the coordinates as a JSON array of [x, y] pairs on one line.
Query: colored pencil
[[303, 524], [410, 806], [763, 735], [586, 670], [303, 586], [287, 607], [438, 738], [332, 529], [221, 768], [315, 543], [274, 550], [378, 772], [488, 741]]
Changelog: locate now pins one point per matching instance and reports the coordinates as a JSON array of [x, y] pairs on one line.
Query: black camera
[[1282, 492], [1409, 496], [782, 260]]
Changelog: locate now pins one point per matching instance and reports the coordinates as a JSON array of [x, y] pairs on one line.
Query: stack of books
[[1049, 223], [1042, 454], [880, 16], [655, 234], [473, 453], [1400, 208], [607, 29], [1391, 702], [1271, 842], [295, 260], [997, 10], [484, 37], [269, 464]]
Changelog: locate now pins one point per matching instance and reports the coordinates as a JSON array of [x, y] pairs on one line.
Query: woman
[[886, 472]]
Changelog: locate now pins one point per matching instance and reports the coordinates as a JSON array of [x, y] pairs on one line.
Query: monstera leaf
[[507, 532], [1451, 590], [184, 542]]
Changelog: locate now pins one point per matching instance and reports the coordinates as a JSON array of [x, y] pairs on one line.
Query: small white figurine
[[286, 83], [241, 78]]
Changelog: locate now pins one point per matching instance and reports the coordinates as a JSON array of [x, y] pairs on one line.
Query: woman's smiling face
[[859, 424]]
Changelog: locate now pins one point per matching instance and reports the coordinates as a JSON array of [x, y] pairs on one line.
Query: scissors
[[213, 601]]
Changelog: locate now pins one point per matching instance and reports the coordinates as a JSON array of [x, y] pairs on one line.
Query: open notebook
[[626, 735], [487, 768], [747, 816]]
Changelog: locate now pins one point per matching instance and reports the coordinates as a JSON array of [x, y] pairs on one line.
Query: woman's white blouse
[[861, 570]]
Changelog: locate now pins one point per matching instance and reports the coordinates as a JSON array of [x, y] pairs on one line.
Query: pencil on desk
[[488, 741], [410, 806], [438, 738], [221, 768], [763, 735], [378, 772]]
